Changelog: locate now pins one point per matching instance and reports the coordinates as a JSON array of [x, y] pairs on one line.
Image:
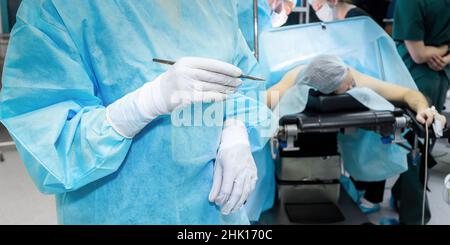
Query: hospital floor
[[21, 203], [440, 210]]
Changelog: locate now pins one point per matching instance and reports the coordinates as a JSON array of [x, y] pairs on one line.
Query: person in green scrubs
[[422, 31], [422, 28]]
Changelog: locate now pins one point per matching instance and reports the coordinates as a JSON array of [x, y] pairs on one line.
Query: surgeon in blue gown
[[271, 14], [92, 115], [246, 19]]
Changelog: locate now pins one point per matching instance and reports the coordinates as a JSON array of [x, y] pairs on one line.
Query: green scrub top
[[428, 21]]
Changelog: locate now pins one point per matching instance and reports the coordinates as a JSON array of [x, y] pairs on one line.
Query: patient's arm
[[275, 92], [413, 98], [420, 53]]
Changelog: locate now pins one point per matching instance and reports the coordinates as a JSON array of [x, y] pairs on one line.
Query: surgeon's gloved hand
[[235, 172], [189, 80], [192, 80]]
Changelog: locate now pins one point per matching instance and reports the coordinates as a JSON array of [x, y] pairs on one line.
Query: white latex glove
[[189, 80], [193, 80], [235, 172]]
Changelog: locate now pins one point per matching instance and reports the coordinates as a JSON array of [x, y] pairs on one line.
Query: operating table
[[308, 164]]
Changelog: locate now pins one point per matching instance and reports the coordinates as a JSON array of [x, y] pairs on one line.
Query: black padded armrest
[[314, 122], [318, 102], [343, 111]]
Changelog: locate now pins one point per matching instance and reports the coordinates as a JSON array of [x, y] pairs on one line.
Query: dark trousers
[[408, 190], [374, 191]]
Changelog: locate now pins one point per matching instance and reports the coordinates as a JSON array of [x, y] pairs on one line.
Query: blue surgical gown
[[246, 17], [264, 195], [68, 60]]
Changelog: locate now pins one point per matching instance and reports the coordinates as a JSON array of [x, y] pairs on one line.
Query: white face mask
[[294, 2], [278, 19], [325, 13]]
